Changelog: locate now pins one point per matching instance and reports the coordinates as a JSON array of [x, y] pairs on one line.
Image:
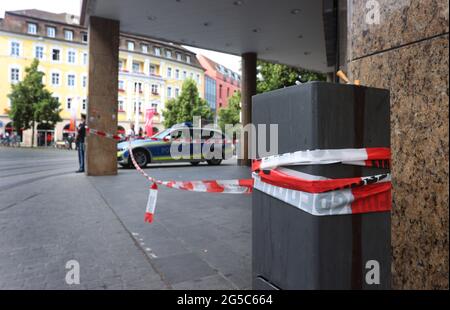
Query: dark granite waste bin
[[293, 249]]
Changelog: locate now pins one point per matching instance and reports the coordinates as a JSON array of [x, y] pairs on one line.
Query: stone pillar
[[248, 87], [406, 51], [101, 153]]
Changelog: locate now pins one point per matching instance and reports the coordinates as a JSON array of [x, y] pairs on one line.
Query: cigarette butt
[[357, 82], [342, 76]]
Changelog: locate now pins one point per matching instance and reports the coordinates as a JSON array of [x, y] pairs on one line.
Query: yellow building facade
[[150, 71]]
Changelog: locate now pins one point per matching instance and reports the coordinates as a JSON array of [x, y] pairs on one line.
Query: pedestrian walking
[[81, 135]]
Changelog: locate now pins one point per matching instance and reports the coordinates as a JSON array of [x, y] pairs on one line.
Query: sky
[[74, 7]]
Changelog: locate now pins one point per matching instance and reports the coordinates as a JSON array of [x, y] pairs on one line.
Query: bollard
[[293, 249]]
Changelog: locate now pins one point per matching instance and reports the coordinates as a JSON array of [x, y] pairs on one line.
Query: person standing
[[130, 133], [81, 135]]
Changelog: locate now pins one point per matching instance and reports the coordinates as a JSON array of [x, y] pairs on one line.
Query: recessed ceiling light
[[206, 24], [256, 30], [296, 11], [238, 2]]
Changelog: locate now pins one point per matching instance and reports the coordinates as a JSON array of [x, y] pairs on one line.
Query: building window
[[120, 105], [85, 58], [154, 89], [188, 59], [83, 107], [51, 32], [32, 28], [138, 87], [152, 69], [192, 75], [184, 75], [178, 56], [71, 80], [154, 105], [39, 52], [197, 78], [177, 92], [71, 57], [84, 82], [144, 48], [55, 79], [157, 51], [69, 103], [220, 91], [177, 74], [120, 65], [56, 54], [169, 54], [140, 104], [228, 92], [68, 35], [15, 49], [169, 92], [121, 85], [14, 75], [130, 45], [84, 37], [136, 67], [169, 72]]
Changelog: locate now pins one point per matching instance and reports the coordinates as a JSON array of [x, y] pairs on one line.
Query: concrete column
[[102, 95], [248, 90]]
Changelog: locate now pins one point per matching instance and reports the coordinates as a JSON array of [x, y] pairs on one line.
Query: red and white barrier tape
[[360, 157], [103, 134], [205, 186], [316, 195], [360, 197]]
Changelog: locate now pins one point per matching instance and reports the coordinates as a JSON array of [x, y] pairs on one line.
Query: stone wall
[[407, 53]]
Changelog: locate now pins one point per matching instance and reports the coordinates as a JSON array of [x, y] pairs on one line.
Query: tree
[[187, 105], [47, 112], [231, 114], [31, 102], [274, 76]]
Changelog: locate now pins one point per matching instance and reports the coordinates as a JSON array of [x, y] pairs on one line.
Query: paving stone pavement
[[50, 215]]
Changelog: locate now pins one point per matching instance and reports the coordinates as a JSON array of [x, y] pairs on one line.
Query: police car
[[180, 143]]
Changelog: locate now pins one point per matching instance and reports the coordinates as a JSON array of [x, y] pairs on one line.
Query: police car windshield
[[161, 134]]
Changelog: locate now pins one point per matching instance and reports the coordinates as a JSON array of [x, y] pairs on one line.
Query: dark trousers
[[81, 155]]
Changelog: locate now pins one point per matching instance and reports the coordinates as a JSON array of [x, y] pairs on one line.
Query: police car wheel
[[214, 162], [141, 158], [195, 163]]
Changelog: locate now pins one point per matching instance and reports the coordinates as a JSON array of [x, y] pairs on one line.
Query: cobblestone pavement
[[50, 215]]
